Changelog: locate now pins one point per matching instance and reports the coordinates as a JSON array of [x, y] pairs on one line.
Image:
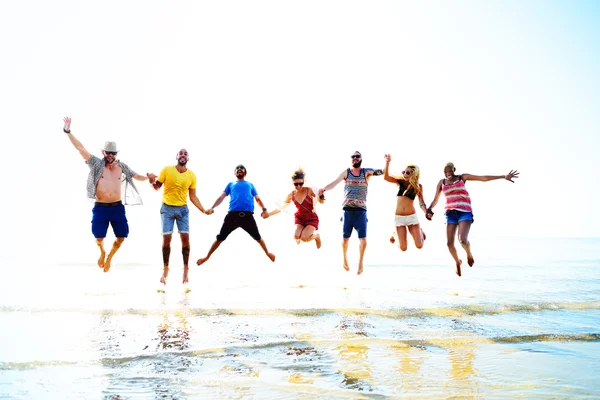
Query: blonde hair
[[449, 164], [413, 181]]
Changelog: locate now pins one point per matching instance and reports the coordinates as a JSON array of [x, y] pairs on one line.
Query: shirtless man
[[104, 187]]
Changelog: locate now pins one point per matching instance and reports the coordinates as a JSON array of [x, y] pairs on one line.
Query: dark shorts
[[109, 213], [355, 219], [453, 217], [239, 219], [312, 220]]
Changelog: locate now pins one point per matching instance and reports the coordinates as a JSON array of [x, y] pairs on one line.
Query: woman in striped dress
[[459, 214]]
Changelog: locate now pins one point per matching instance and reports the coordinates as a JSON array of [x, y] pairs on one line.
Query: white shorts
[[406, 220]]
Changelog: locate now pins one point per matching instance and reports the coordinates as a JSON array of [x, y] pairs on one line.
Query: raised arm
[[386, 172], [333, 184], [484, 178], [76, 143], [196, 201], [139, 177]]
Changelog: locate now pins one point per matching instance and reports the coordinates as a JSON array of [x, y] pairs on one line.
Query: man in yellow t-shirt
[[179, 181]]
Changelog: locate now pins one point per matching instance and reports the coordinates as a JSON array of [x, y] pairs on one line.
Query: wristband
[[264, 209], [68, 132]]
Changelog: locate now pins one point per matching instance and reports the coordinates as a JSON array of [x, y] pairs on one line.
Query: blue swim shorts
[[453, 217], [109, 213], [170, 214], [355, 219]]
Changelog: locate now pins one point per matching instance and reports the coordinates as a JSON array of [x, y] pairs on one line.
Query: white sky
[[491, 86]]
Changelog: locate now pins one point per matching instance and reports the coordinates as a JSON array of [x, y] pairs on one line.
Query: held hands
[[209, 211], [264, 214], [320, 193], [429, 214], [512, 174], [151, 178], [387, 158]]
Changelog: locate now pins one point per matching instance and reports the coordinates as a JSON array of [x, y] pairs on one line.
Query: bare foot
[[360, 269], [201, 261], [107, 265], [318, 240], [185, 275], [346, 267], [470, 260], [163, 278], [458, 267], [297, 240], [101, 259], [424, 235], [392, 238], [271, 256]]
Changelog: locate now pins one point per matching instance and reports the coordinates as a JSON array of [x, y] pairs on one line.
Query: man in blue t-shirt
[[240, 215]]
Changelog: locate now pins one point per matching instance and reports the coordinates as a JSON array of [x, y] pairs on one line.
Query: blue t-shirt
[[242, 195]]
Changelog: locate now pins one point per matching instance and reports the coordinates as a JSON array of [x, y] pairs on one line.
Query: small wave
[[22, 366], [395, 313]]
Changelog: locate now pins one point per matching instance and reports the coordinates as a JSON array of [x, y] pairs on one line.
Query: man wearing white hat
[[104, 187]]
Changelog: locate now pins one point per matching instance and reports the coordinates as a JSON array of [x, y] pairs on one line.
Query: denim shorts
[[355, 219], [453, 217], [170, 214], [104, 214]]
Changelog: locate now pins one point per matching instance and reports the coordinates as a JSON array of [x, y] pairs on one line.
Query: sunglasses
[[298, 183], [407, 172], [110, 153], [355, 156]]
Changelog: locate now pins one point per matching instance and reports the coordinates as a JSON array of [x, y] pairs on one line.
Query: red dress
[[305, 215]]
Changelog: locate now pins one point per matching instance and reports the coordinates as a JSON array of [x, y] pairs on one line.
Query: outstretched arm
[[139, 177], [76, 143], [196, 201], [217, 202], [484, 178], [286, 203], [333, 184], [386, 172]]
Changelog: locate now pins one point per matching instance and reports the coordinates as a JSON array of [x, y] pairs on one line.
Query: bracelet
[[264, 208], [422, 205], [68, 132]]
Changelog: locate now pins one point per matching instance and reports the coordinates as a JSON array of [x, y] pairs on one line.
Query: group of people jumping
[[111, 186]]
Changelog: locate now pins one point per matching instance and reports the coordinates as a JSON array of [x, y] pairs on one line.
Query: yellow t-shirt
[[176, 185]]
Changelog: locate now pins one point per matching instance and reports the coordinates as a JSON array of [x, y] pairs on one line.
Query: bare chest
[[111, 174]]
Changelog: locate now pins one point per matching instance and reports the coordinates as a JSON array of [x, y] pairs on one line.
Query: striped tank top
[[457, 197], [355, 190]]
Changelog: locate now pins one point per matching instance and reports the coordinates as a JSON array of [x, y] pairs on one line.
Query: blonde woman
[[406, 218], [305, 218]]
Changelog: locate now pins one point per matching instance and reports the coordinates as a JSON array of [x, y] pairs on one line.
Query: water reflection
[[353, 354]]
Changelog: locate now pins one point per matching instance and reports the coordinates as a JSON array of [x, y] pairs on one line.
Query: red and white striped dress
[[457, 197]]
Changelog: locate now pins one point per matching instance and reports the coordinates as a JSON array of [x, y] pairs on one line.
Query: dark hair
[[298, 174]]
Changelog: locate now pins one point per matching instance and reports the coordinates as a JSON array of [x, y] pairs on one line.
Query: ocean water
[[524, 322]]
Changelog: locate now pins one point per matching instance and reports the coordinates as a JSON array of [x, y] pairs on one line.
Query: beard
[[357, 164], [182, 161]]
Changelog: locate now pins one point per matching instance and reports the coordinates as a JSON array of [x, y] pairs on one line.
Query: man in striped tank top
[[354, 204], [459, 214]]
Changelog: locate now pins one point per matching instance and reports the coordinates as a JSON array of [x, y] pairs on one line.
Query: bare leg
[[451, 234], [309, 234], [401, 233], [185, 251], [345, 251], [463, 238], [166, 252], [263, 245], [298, 233], [116, 245], [418, 236], [361, 250], [212, 249], [100, 243]]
